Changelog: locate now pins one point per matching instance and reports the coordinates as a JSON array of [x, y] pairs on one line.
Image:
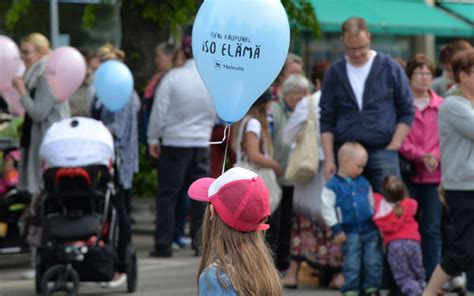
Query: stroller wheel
[[60, 278], [132, 271]]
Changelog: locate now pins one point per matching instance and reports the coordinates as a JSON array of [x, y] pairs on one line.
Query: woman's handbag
[[269, 177], [407, 168], [304, 161]]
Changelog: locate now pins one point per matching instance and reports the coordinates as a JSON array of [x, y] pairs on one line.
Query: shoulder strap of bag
[[311, 115]]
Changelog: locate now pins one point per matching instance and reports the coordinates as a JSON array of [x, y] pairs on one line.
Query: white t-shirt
[[358, 76], [253, 126], [421, 103]]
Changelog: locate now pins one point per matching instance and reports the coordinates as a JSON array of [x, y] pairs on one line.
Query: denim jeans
[[381, 163], [362, 252], [429, 219]]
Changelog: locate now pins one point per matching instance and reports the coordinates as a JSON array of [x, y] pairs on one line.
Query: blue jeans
[[381, 163], [429, 219], [362, 252]]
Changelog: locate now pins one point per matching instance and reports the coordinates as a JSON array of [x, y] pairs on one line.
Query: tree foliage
[[302, 16], [17, 9], [172, 14]]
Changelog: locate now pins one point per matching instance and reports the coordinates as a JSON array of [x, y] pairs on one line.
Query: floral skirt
[[311, 241]]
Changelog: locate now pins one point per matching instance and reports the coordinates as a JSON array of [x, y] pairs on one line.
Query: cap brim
[[199, 190], [263, 227]]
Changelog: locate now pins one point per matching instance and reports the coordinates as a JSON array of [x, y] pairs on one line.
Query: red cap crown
[[239, 197]]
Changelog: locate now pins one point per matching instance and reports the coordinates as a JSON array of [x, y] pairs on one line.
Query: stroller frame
[[65, 258]]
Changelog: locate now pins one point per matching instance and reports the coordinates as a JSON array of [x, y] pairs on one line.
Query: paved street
[[163, 277], [157, 277]]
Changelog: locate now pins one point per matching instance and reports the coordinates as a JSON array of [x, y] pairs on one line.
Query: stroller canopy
[[77, 141]]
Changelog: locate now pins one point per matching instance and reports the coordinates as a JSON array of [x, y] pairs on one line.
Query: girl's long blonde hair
[[243, 256]]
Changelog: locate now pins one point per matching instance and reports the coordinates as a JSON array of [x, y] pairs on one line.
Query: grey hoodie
[[456, 135]]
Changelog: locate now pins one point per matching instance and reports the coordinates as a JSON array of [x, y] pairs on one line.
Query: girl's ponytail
[[394, 191], [398, 209]]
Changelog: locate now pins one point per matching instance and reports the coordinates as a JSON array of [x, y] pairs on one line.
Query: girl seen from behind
[[254, 143], [395, 218], [235, 258]]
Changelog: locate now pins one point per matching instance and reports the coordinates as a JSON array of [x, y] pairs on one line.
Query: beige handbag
[[269, 178], [304, 161]]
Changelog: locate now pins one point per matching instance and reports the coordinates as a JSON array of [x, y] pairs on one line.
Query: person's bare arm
[[327, 140], [399, 135], [252, 148]]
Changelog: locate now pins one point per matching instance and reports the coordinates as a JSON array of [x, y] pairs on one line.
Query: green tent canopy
[[462, 8], [397, 17]]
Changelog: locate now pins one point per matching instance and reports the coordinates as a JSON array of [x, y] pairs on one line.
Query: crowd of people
[[357, 221], [390, 205]]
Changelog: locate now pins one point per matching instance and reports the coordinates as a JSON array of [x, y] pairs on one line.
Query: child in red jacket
[[394, 215]]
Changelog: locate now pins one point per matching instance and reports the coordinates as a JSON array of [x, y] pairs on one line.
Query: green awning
[[463, 9], [398, 17]]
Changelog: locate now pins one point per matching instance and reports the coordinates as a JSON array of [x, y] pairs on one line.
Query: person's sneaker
[[175, 246], [161, 253], [29, 274], [371, 292], [118, 281], [184, 242], [448, 286], [459, 282]]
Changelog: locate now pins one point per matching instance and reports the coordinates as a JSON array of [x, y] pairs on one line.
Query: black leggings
[[121, 200], [460, 255]]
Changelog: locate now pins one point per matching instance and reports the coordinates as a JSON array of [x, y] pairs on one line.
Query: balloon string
[[222, 141], [227, 128]]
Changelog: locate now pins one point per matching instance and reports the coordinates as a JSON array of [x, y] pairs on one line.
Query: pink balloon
[[9, 61], [12, 98], [65, 72]]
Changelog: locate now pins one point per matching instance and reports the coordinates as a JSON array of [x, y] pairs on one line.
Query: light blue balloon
[[113, 84], [239, 47]]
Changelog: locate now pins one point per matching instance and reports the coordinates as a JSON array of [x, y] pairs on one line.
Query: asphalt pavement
[[175, 276]]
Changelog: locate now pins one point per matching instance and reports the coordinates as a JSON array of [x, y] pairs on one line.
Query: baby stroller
[[12, 202], [80, 227]]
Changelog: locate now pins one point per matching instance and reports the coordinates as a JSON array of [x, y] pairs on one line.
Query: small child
[[235, 258], [395, 218], [347, 209]]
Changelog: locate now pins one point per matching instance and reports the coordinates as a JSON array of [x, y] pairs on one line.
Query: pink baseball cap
[[239, 197]]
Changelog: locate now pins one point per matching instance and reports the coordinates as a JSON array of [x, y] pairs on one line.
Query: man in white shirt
[[178, 136], [366, 98]]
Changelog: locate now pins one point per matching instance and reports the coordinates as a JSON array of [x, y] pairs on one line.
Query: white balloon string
[[227, 128], [222, 141]]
